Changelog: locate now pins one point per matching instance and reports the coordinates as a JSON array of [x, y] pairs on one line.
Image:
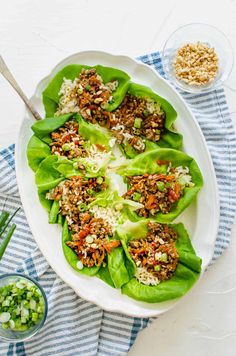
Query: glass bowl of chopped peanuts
[[197, 58]]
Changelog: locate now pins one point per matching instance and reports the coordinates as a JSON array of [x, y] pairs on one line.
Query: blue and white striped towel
[[74, 326]]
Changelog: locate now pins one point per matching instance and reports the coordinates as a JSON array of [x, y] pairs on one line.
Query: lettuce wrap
[[185, 275], [112, 201], [116, 207], [51, 93], [148, 163], [38, 147], [170, 138]]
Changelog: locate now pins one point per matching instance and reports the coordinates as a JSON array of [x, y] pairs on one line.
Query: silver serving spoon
[[9, 77]]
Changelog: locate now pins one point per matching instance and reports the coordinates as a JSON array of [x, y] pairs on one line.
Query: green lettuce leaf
[[170, 139], [72, 71], [90, 132], [184, 277], [36, 152], [111, 199], [105, 276], [46, 203], [71, 257], [47, 176], [116, 267], [147, 163], [44, 127], [94, 133], [38, 149], [182, 280]]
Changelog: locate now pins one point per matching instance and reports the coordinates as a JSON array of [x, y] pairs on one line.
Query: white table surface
[[35, 35]]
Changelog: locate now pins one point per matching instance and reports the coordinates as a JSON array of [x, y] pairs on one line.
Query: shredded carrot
[[166, 177], [100, 147], [162, 162], [151, 202], [110, 245]]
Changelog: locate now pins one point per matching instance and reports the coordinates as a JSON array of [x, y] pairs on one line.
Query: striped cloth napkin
[[75, 326]]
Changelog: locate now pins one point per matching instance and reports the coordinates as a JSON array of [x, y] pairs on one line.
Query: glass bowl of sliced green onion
[[23, 307]]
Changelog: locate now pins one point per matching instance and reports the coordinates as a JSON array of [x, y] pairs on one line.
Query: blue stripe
[[135, 329], [20, 349], [10, 349]]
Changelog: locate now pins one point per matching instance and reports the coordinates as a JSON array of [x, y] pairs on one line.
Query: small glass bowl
[[17, 336], [192, 33]]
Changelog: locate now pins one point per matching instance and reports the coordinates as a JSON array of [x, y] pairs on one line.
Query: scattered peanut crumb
[[196, 64]]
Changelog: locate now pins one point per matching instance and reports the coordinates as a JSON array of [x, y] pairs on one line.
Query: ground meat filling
[[74, 195], [87, 95], [157, 192], [155, 256], [67, 142], [137, 117], [90, 236], [92, 242]]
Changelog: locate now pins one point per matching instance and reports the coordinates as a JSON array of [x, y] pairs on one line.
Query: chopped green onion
[[136, 196], [157, 268], [137, 123], [163, 258], [146, 113], [88, 112], [90, 191], [161, 186], [35, 317], [82, 207], [5, 317], [21, 305], [99, 180], [157, 132], [79, 265], [66, 147], [88, 87], [79, 91], [89, 239]]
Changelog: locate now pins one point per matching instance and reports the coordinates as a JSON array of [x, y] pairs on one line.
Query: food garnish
[[196, 64], [155, 255], [21, 305]]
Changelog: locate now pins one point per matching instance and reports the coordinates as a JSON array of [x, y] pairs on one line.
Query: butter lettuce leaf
[[51, 97], [170, 139], [148, 163], [36, 152], [186, 274], [71, 257]]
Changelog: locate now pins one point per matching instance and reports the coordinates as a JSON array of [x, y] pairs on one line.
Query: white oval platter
[[201, 218]]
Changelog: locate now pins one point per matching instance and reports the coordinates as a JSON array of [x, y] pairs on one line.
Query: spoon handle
[[9, 77]]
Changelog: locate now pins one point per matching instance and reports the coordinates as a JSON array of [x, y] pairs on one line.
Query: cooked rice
[[109, 215], [145, 277], [87, 95]]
